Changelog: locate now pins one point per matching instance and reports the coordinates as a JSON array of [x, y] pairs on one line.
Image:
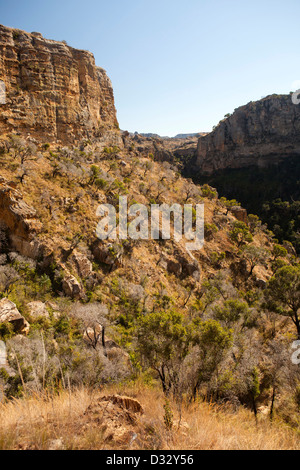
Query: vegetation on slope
[[216, 327], [61, 423], [273, 193]]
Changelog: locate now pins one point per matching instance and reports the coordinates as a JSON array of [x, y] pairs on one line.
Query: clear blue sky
[[176, 65]]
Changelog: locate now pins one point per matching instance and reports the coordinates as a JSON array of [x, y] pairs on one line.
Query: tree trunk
[[272, 404]]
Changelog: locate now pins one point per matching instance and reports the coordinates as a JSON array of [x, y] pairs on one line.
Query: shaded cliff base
[[260, 190]]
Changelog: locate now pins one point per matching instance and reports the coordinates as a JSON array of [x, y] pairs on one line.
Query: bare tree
[[24, 150]]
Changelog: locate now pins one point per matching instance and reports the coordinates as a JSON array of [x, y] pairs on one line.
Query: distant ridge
[[178, 136]]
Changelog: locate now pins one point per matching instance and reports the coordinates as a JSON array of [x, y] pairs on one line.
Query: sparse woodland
[[199, 341]]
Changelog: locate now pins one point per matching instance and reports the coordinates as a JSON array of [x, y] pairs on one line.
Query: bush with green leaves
[[210, 342], [235, 314], [279, 252], [163, 342], [283, 294], [240, 234], [209, 192], [228, 204], [209, 231], [255, 256], [56, 355], [217, 258], [111, 152]]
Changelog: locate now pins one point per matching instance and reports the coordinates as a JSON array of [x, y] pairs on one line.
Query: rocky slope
[[258, 133], [53, 91], [77, 311]]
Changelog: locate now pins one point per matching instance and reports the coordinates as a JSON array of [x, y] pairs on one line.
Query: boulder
[[108, 254], [83, 265], [93, 280], [72, 287], [9, 313], [37, 310], [20, 221], [239, 213], [103, 255], [127, 403], [93, 335], [190, 267], [116, 418], [174, 267]]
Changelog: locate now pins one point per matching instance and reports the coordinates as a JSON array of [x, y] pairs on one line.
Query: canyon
[[138, 343], [56, 93]]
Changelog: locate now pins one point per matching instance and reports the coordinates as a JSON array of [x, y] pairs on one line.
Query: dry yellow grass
[[45, 422]]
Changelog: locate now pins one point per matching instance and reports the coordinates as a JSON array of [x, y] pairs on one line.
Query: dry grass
[[45, 422]]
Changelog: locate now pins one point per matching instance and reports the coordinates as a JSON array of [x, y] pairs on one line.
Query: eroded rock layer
[[258, 133], [53, 91]]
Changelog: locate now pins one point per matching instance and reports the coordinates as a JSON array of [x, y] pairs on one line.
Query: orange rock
[[53, 91]]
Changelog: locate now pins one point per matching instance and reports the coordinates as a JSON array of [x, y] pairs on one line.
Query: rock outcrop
[[240, 213], [20, 220], [259, 133], [126, 403], [53, 91], [10, 314], [37, 309], [83, 265], [72, 287], [116, 418]]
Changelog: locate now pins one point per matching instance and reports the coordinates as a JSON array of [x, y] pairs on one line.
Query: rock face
[[107, 254], [19, 219], [240, 214], [259, 133], [53, 92], [72, 287], [84, 265]]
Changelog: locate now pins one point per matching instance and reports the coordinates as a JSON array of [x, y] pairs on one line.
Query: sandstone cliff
[[259, 133], [53, 91]]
